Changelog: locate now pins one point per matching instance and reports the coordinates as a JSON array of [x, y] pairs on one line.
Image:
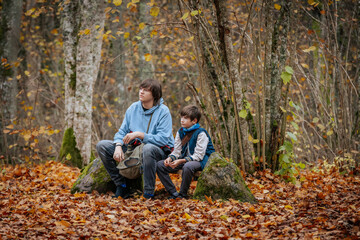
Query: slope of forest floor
[[35, 203]]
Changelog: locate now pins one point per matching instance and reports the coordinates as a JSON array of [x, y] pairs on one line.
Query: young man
[[193, 147], [148, 120]]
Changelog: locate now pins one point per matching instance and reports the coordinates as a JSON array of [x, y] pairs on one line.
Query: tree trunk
[[83, 29], [145, 68], [226, 44], [275, 100], [9, 51], [215, 84], [218, 67]]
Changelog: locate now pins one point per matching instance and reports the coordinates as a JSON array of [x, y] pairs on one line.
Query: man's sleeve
[[163, 134], [123, 130]]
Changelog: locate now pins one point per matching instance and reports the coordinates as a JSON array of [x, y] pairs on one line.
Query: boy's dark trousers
[[188, 170]]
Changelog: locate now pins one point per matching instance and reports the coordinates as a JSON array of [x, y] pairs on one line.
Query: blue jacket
[[136, 119], [192, 144]]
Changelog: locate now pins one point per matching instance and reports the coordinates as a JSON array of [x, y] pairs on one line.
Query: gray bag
[[130, 167]]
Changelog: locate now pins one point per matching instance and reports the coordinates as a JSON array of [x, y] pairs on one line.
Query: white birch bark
[[83, 24], [70, 26], [87, 68]]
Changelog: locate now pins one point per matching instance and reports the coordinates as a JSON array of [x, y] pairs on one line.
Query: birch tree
[[83, 25]]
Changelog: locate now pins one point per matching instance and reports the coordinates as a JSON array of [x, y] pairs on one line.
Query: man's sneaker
[[175, 195], [183, 196], [148, 195], [121, 192]]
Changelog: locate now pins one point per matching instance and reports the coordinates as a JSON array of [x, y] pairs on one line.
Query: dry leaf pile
[[35, 203]]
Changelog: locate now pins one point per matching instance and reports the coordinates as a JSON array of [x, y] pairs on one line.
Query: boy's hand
[[167, 162], [176, 163]]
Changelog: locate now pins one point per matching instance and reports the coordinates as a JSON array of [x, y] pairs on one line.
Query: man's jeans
[[151, 154]]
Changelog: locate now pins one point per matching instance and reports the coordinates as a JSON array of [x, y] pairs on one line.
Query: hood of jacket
[[151, 110]]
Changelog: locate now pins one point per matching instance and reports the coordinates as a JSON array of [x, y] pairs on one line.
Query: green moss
[[222, 180], [72, 82], [100, 175], [100, 179], [69, 153], [92, 156], [84, 172]]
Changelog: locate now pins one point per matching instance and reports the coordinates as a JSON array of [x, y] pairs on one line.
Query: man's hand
[[118, 154], [167, 162], [130, 136]]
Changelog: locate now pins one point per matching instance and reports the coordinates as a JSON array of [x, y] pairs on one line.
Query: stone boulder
[[221, 179], [94, 177]]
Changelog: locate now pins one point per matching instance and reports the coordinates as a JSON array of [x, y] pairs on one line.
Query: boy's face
[[186, 122]]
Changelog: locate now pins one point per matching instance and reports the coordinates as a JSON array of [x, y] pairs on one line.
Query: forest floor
[[36, 203]]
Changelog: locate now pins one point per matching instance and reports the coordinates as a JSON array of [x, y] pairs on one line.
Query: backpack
[[131, 166]]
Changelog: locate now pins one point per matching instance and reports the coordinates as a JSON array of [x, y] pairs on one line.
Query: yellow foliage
[[117, 2], [277, 6], [154, 11]]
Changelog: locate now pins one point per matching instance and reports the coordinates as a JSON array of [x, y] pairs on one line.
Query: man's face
[[145, 95]]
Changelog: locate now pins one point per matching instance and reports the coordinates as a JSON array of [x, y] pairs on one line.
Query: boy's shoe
[[148, 195], [121, 192]]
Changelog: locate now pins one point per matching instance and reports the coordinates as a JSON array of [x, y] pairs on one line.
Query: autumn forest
[[277, 82]]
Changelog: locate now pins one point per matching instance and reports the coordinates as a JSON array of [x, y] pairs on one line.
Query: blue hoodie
[[136, 119]]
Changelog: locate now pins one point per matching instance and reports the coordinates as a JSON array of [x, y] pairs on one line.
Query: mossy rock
[[94, 177], [221, 179]]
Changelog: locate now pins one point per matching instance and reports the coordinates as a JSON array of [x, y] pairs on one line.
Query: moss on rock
[[69, 153], [94, 177], [222, 180]]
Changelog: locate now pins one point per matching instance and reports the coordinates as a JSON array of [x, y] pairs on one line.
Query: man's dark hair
[[155, 87], [192, 112]]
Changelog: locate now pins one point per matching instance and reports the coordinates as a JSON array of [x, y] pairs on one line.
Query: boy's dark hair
[[155, 87], [192, 112]]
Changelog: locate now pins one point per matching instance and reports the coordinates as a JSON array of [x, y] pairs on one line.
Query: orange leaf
[[252, 209], [63, 223], [209, 200]]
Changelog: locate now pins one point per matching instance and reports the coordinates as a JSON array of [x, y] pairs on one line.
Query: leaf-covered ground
[[35, 203]]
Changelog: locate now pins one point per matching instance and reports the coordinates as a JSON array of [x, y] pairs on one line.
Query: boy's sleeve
[[200, 149], [177, 148]]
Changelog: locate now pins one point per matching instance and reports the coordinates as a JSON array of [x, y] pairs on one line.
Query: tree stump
[[221, 179], [94, 177]]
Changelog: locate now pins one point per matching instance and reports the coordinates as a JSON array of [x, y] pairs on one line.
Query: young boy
[[192, 149]]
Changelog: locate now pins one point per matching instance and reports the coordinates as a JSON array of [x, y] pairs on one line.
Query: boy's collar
[[193, 127]]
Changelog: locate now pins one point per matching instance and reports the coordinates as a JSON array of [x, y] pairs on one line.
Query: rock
[[94, 177], [221, 179]]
